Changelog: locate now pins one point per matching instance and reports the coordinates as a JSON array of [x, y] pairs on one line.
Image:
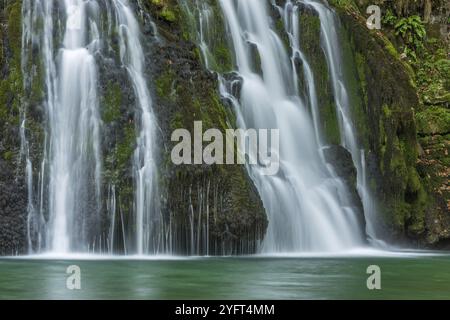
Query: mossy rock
[[185, 92], [311, 44], [387, 110], [167, 10]]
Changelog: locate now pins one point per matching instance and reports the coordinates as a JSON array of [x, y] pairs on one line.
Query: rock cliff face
[[218, 202], [407, 127], [13, 194]]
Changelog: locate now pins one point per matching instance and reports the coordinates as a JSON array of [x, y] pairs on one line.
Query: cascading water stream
[[75, 134], [30, 12], [148, 219], [70, 174], [64, 215], [307, 205], [330, 44]]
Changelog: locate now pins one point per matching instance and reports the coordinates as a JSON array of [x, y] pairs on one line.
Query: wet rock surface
[[13, 208]]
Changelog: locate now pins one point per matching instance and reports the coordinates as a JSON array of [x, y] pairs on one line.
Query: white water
[[307, 205], [203, 15], [75, 133], [70, 177], [64, 213], [148, 219], [330, 44]]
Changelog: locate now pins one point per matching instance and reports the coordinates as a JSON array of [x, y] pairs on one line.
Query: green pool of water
[[410, 277]]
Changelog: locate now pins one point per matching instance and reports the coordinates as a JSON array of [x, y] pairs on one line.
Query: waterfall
[[75, 161], [330, 44], [66, 203], [148, 219], [70, 176], [309, 207], [307, 204], [245, 23]]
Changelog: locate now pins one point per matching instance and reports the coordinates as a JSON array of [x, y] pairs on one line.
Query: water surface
[[403, 277]]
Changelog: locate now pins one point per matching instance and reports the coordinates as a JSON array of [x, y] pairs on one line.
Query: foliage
[[166, 10], [389, 18], [413, 32], [343, 3], [433, 120], [112, 102], [433, 77]]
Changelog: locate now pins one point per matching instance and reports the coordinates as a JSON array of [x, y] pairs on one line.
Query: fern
[[413, 32], [389, 18]]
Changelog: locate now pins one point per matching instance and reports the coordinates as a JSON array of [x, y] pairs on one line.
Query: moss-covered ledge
[[210, 209], [406, 201]]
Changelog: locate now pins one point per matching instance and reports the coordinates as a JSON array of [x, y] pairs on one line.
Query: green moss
[[125, 148], [361, 66], [387, 112], [343, 4], [217, 55], [8, 155], [390, 128], [187, 37], [433, 75], [223, 114], [418, 198], [118, 164], [414, 184], [223, 58], [165, 85], [392, 50], [434, 164], [279, 26], [117, 167], [400, 212], [200, 113], [311, 35], [112, 102], [408, 201], [168, 15], [199, 106], [14, 11], [433, 120], [167, 10], [11, 87], [408, 213], [354, 69], [197, 53], [177, 121], [397, 165]]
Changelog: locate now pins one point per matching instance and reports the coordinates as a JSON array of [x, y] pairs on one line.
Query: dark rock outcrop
[[13, 194], [13, 208], [199, 202]]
